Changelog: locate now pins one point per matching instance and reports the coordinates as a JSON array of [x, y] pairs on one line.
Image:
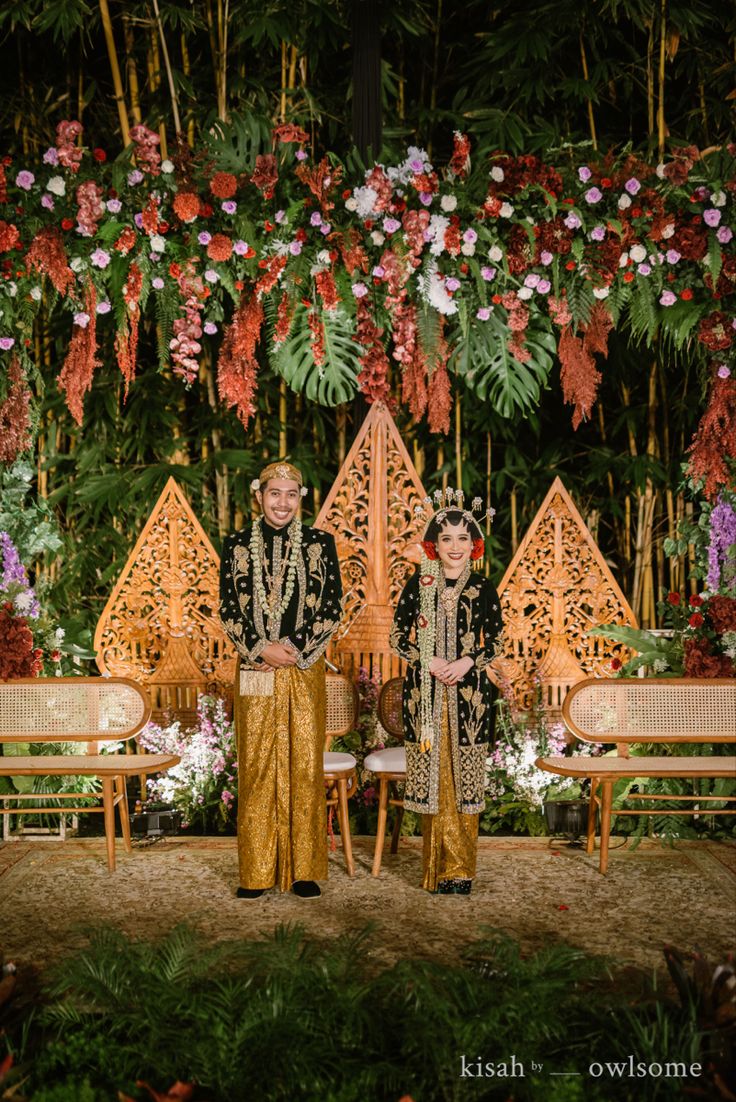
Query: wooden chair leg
[[381, 829], [108, 803], [396, 832], [123, 811], [592, 808], [343, 819], [606, 802]]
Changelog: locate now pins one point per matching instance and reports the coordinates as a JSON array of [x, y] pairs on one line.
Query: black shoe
[[306, 889], [454, 887], [250, 893]]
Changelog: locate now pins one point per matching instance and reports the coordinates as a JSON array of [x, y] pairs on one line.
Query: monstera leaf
[[492, 372], [234, 145], [334, 381]]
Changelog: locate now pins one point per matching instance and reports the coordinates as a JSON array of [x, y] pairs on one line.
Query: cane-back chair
[[341, 778]]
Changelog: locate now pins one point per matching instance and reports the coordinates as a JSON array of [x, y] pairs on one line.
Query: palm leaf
[[234, 145], [335, 381], [491, 371]]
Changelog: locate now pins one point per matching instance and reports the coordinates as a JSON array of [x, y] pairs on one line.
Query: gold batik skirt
[[450, 838], [282, 830]]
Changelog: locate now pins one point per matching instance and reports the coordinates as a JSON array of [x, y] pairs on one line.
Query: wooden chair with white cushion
[[89, 710], [340, 769], [389, 766]]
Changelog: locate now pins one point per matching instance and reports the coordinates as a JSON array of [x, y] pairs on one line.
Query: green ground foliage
[[288, 1017]]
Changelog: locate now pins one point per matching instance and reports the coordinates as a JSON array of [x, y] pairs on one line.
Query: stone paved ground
[[53, 893]]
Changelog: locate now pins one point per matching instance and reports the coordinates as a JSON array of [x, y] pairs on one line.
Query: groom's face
[[279, 500]]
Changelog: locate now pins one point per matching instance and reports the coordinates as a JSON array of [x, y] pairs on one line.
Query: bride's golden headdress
[[447, 503]]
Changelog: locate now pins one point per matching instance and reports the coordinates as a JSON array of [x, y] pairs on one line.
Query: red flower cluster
[[90, 207], [288, 132], [327, 289], [722, 613], [700, 661], [266, 174], [373, 377], [48, 255], [18, 658], [223, 185], [15, 421], [70, 154], [219, 247], [237, 366], [81, 360], [126, 338], [519, 172], [146, 149], [460, 161], [9, 236], [284, 318], [321, 181], [187, 206], [716, 332], [715, 441]]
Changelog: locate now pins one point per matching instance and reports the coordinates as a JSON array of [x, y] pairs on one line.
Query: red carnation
[[67, 223], [223, 185], [99, 155], [187, 206], [696, 620], [673, 598], [220, 247]]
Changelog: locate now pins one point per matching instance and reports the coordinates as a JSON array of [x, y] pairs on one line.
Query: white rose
[[158, 243], [323, 256], [718, 198], [506, 210], [497, 174], [624, 202], [525, 292], [467, 248], [637, 253], [623, 260], [495, 254], [35, 294], [167, 166], [669, 230], [77, 264], [600, 292], [660, 170], [448, 203], [12, 288], [377, 237], [56, 185], [351, 204]]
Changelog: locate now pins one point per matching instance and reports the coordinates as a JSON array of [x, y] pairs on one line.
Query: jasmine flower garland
[[274, 612], [427, 637]]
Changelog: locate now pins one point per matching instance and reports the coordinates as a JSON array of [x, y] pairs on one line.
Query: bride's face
[[454, 545]]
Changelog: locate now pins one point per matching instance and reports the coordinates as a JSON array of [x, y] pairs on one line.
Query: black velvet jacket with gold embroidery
[[469, 626], [314, 610]]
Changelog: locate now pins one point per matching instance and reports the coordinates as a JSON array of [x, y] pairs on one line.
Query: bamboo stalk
[[283, 444], [662, 57], [131, 71], [514, 522], [115, 68], [222, 488], [591, 116], [341, 418], [458, 441], [282, 102], [650, 80], [435, 70], [187, 69], [154, 76], [169, 73], [487, 560]]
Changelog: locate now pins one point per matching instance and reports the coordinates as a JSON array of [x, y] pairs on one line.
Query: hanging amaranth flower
[[272, 273], [15, 420], [714, 443], [321, 181], [439, 401], [48, 255], [578, 374], [518, 320], [237, 366], [75, 378], [373, 377], [352, 251], [284, 318]]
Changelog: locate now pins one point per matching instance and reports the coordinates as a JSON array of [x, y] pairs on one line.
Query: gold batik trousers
[[450, 838], [282, 830]]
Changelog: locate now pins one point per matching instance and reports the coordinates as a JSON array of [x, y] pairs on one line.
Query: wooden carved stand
[[370, 512], [160, 625]]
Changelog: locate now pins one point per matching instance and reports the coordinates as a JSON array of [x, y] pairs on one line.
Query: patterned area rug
[[53, 893]]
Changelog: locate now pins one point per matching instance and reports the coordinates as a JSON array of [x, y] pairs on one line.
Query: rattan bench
[[92, 710], [645, 711]]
